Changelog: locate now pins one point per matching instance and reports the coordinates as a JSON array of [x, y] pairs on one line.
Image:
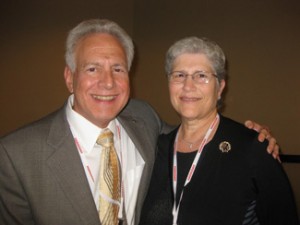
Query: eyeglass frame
[[193, 75]]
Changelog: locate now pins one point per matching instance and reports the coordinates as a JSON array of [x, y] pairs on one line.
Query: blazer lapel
[[139, 135], [68, 170], [136, 130]]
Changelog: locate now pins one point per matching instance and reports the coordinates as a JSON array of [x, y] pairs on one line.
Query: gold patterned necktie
[[109, 181]]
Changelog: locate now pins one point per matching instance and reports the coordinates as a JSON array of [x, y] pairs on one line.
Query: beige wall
[[32, 52], [262, 42], [261, 39]]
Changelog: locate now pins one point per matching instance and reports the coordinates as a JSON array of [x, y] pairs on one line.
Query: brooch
[[225, 146]]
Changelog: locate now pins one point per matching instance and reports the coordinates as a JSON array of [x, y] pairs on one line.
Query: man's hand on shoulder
[[265, 133]]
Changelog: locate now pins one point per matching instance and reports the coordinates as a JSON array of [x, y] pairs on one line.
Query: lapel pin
[[225, 146]]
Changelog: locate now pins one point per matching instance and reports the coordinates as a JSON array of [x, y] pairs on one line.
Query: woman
[[216, 168]]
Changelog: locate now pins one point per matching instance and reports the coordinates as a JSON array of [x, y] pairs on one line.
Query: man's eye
[[119, 70], [91, 69]]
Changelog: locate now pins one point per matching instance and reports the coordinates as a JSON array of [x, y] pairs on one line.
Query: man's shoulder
[[133, 102], [35, 129], [138, 107]]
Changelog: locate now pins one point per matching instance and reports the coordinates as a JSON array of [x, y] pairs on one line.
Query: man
[[49, 170]]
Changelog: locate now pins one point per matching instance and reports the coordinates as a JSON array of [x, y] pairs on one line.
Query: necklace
[[190, 144]]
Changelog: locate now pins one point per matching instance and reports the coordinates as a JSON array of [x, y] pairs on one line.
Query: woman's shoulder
[[242, 139], [235, 128], [166, 141], [239, 136], [168, 137]]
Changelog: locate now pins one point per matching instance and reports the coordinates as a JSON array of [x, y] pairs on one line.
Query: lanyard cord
[[192, 168]]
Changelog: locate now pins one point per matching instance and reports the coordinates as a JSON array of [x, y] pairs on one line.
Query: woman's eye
[[202, 75], [180, 75]]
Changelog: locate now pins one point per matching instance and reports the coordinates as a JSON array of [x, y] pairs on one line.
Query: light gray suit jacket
[[42, 180]]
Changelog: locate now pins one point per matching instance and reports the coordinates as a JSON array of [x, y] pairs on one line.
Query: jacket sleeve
[[14, 205], [275, 203]]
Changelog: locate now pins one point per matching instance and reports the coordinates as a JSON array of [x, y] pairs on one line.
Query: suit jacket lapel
[[135, 128], [138, 133], [67, 168]]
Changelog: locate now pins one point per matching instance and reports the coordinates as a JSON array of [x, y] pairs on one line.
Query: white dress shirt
[[85, 135]]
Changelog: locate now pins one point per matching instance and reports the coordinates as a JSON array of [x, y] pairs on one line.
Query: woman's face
[[195, 101]]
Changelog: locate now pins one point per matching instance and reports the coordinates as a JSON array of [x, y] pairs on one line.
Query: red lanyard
[[192, 168]]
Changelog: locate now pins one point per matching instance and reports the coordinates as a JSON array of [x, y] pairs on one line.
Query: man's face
[[100, 82]]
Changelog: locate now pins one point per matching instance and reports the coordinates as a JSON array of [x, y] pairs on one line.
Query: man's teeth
[[104, 97]]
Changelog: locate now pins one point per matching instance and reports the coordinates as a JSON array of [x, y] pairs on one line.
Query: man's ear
[[68, 75]]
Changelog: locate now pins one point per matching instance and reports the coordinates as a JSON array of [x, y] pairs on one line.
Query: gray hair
[[95, 26], [198, 45]]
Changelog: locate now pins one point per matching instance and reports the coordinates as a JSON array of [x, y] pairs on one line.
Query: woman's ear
[[222, 85]]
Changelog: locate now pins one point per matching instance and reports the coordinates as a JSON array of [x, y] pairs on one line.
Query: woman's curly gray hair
[[198, 45]]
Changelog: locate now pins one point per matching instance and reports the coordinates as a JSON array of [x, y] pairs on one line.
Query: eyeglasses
[[199, 77]]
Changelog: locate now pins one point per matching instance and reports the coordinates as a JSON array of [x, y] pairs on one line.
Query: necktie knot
[[106, 138]]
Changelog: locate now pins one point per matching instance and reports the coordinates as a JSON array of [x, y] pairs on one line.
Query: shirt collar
[[85, 131]]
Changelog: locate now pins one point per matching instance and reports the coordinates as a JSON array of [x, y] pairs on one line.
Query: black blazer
[[224, 183]]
